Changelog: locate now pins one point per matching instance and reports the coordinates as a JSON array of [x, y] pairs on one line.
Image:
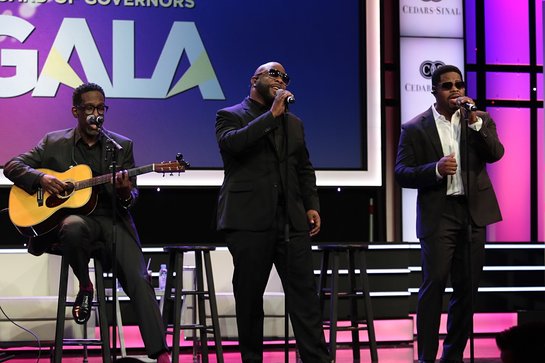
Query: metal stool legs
[[213, 305], [356, 257], [60, 341], [173, 300], [368, 306]]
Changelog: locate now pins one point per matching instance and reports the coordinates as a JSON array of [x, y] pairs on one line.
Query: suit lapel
[[250, 115], [463, 136], [463, 150], [279, 140], [431, 130]]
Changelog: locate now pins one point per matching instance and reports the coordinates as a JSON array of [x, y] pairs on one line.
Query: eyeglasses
[[447, 86], [90, 109], [275, 73]]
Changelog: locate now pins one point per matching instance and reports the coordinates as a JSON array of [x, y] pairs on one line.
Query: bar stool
[[356, 258], [100, 302], [173, 299]]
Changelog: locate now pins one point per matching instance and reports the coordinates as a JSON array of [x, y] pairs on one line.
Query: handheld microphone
[[289, 99], [468, 106]]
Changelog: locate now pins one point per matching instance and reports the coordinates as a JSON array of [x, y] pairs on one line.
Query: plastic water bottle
[[162, 276]]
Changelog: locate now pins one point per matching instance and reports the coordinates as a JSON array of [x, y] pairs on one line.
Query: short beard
[[265, 92]]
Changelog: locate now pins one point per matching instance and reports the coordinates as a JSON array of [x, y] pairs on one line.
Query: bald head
[[265, 67]]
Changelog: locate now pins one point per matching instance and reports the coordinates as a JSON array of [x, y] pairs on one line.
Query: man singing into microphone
[[81, 236], [432, 158], [268, 171]]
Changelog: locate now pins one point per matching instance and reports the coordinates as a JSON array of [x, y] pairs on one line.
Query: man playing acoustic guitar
[[82, 235]]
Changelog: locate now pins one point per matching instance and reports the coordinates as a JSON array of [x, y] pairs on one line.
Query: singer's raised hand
[[466, 104], [279, 104]]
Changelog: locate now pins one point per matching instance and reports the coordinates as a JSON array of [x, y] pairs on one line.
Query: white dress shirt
[[449, 133]]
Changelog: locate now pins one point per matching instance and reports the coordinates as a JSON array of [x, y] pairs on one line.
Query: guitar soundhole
[[68, 191], [55, 200]]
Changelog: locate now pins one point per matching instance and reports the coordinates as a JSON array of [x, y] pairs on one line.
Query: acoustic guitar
[[34, 214]]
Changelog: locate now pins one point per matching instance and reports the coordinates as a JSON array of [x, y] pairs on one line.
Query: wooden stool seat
[[173, 299], [356, 259]]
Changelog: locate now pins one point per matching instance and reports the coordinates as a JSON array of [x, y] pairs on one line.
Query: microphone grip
[[289, 99], [470, 107]]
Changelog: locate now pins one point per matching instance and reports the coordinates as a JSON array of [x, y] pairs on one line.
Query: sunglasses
[[274, 73], [446, 86]]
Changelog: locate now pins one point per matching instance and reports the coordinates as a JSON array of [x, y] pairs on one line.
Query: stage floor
[[485, 352]]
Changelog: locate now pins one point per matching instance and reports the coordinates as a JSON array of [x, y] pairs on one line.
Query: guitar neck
[[106, 178]]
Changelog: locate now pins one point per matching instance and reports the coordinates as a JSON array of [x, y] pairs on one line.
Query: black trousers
[[253, 254], [447, 253], [81, 236]]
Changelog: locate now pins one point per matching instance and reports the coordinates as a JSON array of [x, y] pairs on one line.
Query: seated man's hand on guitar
[[52, 185], [123, 184]]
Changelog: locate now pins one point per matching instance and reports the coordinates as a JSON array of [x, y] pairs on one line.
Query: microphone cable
[[27, 330]]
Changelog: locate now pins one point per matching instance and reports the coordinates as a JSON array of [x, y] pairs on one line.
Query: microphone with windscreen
[[95, 120]]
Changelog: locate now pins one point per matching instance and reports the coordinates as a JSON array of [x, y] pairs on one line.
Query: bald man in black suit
[[256, 191]]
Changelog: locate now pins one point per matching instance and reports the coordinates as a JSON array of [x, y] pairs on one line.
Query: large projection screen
[[167, 66]]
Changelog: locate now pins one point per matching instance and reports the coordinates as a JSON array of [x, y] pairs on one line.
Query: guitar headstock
[[177, 166], [181, 161]]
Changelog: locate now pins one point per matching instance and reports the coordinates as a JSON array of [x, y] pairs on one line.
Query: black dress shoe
[[81, 311]]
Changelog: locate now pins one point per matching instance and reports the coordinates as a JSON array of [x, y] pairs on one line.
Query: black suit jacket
[[255, 170], [418, 152], [56, 152]]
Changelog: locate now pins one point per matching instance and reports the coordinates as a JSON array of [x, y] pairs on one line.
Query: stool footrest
[[82, 342], [360, 321], [94, 303], [191, 326], [356, 293], [209, 330], [190, 292], [348, 328]]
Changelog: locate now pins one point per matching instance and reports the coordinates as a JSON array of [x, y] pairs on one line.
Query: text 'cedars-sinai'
[[431, 10]]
